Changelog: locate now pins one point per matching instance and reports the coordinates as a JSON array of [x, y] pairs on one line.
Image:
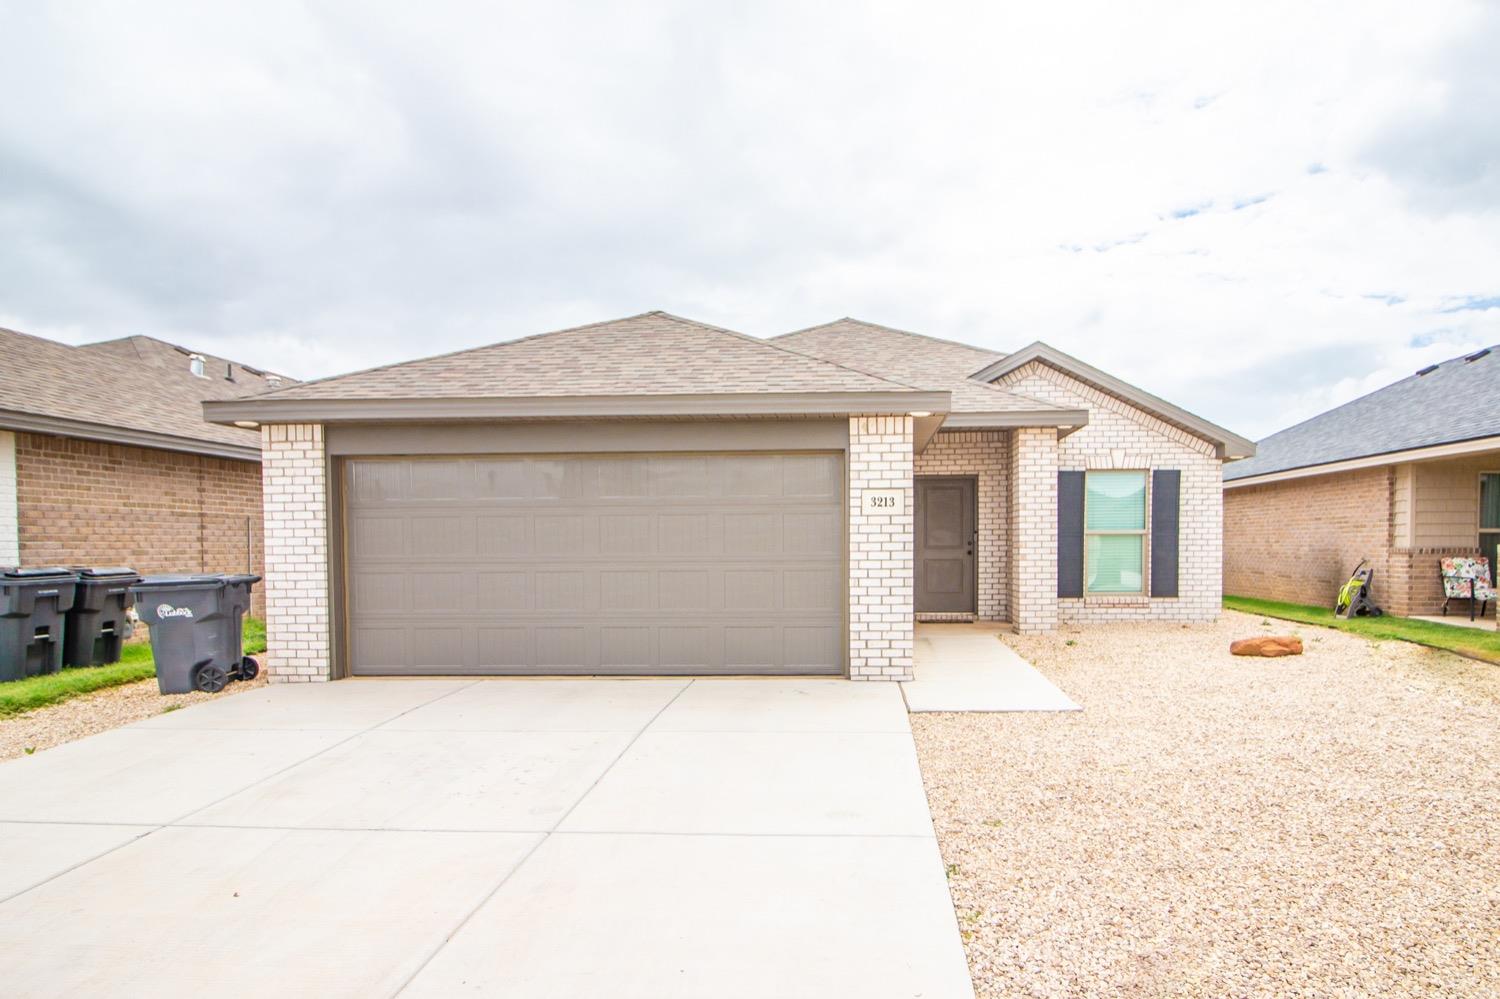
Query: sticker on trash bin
[[165, 611]]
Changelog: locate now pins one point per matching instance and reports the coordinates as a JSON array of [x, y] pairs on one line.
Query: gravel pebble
[[1326, 824], [97, 712]]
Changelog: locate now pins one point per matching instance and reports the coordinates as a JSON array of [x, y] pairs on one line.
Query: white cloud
[[1254, 210]]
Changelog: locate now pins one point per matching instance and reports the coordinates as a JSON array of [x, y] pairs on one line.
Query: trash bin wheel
[[249, 669], [210, 678]]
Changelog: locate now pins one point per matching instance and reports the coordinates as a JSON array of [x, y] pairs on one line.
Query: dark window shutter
[[1166, 489], [1069, 534]]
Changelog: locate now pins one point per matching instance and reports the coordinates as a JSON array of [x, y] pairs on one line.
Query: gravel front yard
[[96, 712], [1326, 825]]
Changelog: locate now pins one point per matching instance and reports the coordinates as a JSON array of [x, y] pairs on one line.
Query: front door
[[945, 516]]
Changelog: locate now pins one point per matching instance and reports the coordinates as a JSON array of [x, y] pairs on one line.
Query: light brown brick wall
[[1298, 540], [91, 503]]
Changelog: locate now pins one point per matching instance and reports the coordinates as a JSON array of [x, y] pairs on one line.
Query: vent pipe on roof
[[273, 381], [196, 365]]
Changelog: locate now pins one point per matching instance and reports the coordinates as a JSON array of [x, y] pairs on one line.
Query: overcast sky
[[1255, 210]]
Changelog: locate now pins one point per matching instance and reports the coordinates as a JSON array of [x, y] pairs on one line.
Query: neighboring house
[[1402, 476], [105, 458], [655, 495]]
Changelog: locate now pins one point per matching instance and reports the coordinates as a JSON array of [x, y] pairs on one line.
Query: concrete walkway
[[517, 838], [965, 667]]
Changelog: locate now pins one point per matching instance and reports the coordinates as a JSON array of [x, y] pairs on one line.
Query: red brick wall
[[90, 503], [1298, 540]]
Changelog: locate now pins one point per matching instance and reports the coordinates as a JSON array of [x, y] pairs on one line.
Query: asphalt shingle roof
[[1455, 401], [924, 361], [651, 354], [136, 383]]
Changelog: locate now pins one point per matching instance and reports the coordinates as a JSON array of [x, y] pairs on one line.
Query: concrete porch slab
[[965, 667], [1459, 620]]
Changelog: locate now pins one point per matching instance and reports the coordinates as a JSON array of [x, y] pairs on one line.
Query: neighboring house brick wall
[[1033, 524], [10, 528], [1120, 436], [985, 455], [1298, 540], [298, 623], [880, 550], [91, 503]]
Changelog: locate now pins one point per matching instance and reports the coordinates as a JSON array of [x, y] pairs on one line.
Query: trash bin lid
[[104, 572], [39, 573], [241, 577], [190, 581]]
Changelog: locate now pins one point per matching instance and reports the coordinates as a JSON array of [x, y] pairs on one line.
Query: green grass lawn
[[1464, 641], [20, 696]]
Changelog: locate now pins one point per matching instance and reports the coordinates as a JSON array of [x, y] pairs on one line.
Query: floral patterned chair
[[1467, 578]]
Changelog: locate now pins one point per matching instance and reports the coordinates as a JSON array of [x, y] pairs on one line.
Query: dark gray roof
[[1449, 402]]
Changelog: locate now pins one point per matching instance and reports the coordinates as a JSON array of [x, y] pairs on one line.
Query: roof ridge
[[767, 342], [895, 329], [461, 350]]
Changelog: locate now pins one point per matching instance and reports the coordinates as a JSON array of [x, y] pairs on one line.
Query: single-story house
[[655, 495], [106, 459], [1403, 477]]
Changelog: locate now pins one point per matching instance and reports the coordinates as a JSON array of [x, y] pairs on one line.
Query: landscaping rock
[[1269, 646]]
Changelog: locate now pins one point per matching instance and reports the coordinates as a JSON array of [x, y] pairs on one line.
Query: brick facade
[[880, 550], [985, 455], [1120, 436], [1033, 525], [91, 503], [298, 619], [10, 528], [1297, 540]]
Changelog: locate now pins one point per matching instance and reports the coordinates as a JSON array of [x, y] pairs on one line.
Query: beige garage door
[[629, 564]]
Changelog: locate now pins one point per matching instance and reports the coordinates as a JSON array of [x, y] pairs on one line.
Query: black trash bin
[[32, 605], [99, 622], [196, 627]]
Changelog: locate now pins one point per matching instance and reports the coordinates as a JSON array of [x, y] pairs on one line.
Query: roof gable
[[1229, 445], [1442, 404]]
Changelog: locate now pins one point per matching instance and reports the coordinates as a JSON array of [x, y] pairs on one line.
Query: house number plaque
[[887, 501]]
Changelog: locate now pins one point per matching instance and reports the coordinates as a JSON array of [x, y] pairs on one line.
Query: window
[[1114, 532], [1489, 516]]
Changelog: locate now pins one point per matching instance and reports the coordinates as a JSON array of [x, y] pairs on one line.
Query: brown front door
[[945, 516]]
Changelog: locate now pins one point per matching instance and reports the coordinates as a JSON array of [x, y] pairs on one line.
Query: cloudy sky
[[1255, 210]]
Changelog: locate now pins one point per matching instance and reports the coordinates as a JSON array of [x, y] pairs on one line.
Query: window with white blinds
[[1114, 516]]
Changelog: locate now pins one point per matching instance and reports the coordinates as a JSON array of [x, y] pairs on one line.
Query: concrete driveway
[[519, 838]]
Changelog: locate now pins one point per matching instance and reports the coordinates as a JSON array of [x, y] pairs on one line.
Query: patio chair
[[1467, 578]]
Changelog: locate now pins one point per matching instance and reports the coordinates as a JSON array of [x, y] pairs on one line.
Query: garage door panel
[[579, 565]]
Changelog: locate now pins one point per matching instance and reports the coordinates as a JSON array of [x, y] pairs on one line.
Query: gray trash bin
[[32, 605], [196, 627], [99, 622]]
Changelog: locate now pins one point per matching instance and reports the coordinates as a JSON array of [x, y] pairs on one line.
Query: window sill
[[1115, 599]]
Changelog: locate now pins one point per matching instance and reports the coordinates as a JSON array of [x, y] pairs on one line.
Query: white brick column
[[294, 474], [10, 508], [880, 550], [1033, 529]]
